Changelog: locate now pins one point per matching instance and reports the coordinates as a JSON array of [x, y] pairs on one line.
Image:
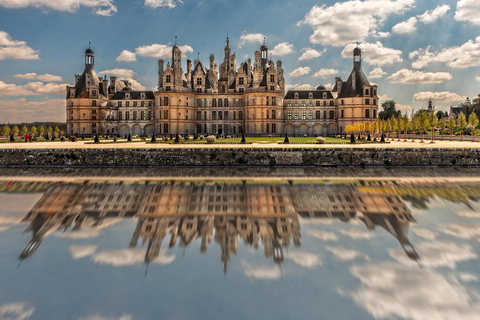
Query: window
[[168, 78], [272, 88], [214, 115], [199, 127], [127, 104], [240, 115], [214, 103], [317, 103], [304, 114], [168, 88], [127, 115], [324, 114], [324, 103], [165, 101], [268, 100], [135, 104], [367, 92], [120, 115], [341, 102], [341, 114], [310, 103], [374, 113], [165, 128], [199, 103], [199, 90], [165, 114], [150, 115], [296, 114], [367, 101], [226, 103], [219, 115], [199, 81], [199, 116], [274, 128], [367, 113], [303, 103], [134, 115], [225, 115], [332, 103], [119, 104], [142, 115], [94, 93], [317, 114], [310, 115], [272, 78], [268, 126], [240, 81], [332, 114], [94, 117], [144, 103], [241, 90], [289, 115], [220, 103], [94, 103], [374, 102], [274, 114]]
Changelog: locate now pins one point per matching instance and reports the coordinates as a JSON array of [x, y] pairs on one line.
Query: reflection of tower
[[226, 237], [153, 231]]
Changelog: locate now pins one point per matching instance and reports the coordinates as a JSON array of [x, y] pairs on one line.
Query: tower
[[357, 58], [264, 52], [227, 49], [89, 59]]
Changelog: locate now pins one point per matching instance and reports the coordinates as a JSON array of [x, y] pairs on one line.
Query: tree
[[442, 124], [57, 130], [33, 130], [41, 130], [462, 123], [6, 130], [15, 130], [439, 114], [473, 123], [432, 123], [451, 126], [404, 125], [49, 130], [389, 110], [24, 130], [422, 122]]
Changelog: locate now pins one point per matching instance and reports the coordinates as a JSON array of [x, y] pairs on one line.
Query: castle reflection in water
[[259, 213]]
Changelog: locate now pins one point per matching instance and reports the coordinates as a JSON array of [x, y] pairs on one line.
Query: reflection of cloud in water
[[424, 233], [345, 254], [437, 254], [468, 277], [16, 311], [323, 235], [88, 232], [263, 273], [396, 291], [467, 213], [10, 219], [18, 203], [4, 228], [358, 235], [99, 317], [315, 221], [129, 257], [305, 259], [464, 231], [79, 252]]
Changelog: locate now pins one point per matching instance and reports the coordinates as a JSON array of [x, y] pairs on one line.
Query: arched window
[[214, 103], [219, 103], [226, 103]]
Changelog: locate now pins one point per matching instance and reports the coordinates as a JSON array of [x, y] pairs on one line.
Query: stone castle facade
[[223, 100]]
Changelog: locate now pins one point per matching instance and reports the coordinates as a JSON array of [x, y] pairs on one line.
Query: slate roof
[[134, 95], [303, 94], [81, 85]]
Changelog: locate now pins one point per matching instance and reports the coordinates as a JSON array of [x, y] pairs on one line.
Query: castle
[[223, 100]]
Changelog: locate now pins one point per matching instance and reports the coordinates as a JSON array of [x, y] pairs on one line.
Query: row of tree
[[40, 131], [418, 123]]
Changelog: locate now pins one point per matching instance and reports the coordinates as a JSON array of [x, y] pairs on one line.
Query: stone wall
[[238, 157]]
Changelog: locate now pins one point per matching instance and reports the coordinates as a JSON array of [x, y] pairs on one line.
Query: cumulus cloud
[[477, 78], [345, 254], [437, 96], [16, 311], [468, 277], [396, 291], [262, 273], [15, 49], [123, 73], [374, 53], [79, 252], [385, 97], [463, 56], [300, 71], [282, 49], [299, 86], [463, 231], [437, 254], [100, 317], [329, 23], [414, 77], [100, 7], [468, 213], [468, 11], [305, 259], [154, 4], [129, 257], [309, 54], [406, 27], [250, 38], [424, 233], [324, 73], [382, 34], [323, 235], [376, 73], [357, 234], [21, 110], [31, 89], [42, 77], [429, 16], [126, 55], [79, 235]]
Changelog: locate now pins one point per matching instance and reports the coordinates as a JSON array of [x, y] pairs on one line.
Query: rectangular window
[[289, 115], [135, 104], [220, 115], [367, 113], [296, 114], [127, 115], [225, 115], [127, 104], [143, 104], [199, 115], [304, 113], [240, 81], [165, 101], [367, 101], [94, 103], [119, 104], [165, 114], [341, 114], [234, 115], [240, 115], [199, 81], [332, 114], [241, 90], [214, 115], [120, 115], [142, 115], [150, 115], [168, 78], [310, 115], [199, 127], [134, 115], [268, 127], [272, 78], [165, 128], [317, 103], [274, 128], [324, 114], [274, 114], [317, 114], [199, 103], [274, 101]]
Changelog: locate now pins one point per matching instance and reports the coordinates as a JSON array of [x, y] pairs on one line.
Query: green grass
[[263, 140]]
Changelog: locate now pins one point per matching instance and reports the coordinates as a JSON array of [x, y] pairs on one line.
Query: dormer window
[[296, 95], [142, 96], [199, 81], [127, 96], [168, 78], [310, 95], [367, 92], [272, 78], [324, 95]]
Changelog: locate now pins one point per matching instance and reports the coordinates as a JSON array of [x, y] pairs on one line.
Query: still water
[[348, 244]]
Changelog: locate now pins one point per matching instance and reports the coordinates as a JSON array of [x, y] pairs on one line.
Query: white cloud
[[154, 4], [437, 254], [21, 110], [469, 11], [100, 317], [406, 27], [137, 85], [414, 77], [323, 235], [4, 228], [384, 97], [29, 76], [299, 87], [345, 254], [42, 77], [129, 257], [463, 231], [358, 235], [475, 213], [374, 53], [351, 21], [309, 54], [10, 219], [477, 78], [123, 73], [31, 89], [262, 273], [394, 291], [324, 73], [305, 259], [79, 252], [431, 16], [79, 235], [100, 7], [126, 55], [382, 35], [282, 49], [424, 233], [250, 38], [376, 73], [468, 277], [14, 49], [464, 56], [300, 71], [437, 96], [160, 51], [16, 311]]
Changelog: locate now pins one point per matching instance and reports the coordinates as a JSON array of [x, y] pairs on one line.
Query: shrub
[[305, 135], [201, 137], [229, 137], [321, 140], [269, 135], [211, 139], [114, 139]]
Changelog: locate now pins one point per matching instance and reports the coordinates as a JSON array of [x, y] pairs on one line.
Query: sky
[[413, 50]]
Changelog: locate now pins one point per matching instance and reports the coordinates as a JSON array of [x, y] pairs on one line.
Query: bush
[[211, 139], [269, 135], [229, 137], [321, 140], [305, 135], [201, 137]]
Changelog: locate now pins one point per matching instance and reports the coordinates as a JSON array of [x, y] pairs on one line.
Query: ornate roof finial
[[89, 44], [175, 40], [198, 56], [358, 43], [264, 40]]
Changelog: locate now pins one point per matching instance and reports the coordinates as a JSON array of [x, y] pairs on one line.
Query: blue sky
[[414, 50]]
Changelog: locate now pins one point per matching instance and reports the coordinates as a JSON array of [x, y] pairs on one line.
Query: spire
[[175, 41], [357, 57], [228, 43]]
